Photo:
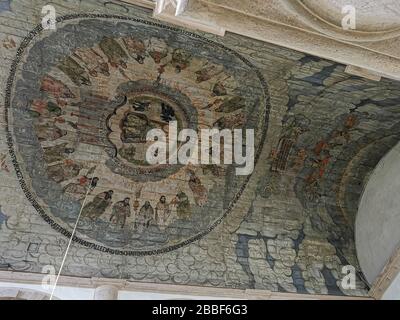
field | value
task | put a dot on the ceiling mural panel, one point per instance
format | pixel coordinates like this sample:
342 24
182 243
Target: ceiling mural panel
80 125
78 102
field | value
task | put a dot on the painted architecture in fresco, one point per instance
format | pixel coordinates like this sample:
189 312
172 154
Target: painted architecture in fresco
77 110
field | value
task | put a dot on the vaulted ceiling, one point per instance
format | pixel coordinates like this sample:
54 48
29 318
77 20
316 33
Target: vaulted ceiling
77 102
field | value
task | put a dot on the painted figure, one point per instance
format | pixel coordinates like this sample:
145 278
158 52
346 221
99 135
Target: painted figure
180 59
56 88
120 211
219 89
294 127
233 121
38 108
208 72
342 136
199 191
114 52
135 128
136 48
56 153
162 211
231 104
136 203
181 201
93 61
49 132
158 49
75 72
83 186
98 206
301 156
63 171
145 216
44 109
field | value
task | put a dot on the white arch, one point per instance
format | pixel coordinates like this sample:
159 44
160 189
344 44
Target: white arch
377 229
9 293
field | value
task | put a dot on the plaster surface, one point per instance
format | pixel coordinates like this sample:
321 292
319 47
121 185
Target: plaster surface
378 217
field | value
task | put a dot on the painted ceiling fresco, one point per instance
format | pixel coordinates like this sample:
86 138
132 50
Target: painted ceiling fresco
80 126
78 102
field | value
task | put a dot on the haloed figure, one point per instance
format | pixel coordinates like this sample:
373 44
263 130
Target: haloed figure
120 211
162 211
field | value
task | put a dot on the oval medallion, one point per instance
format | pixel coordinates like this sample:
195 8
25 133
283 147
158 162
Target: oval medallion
79 104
